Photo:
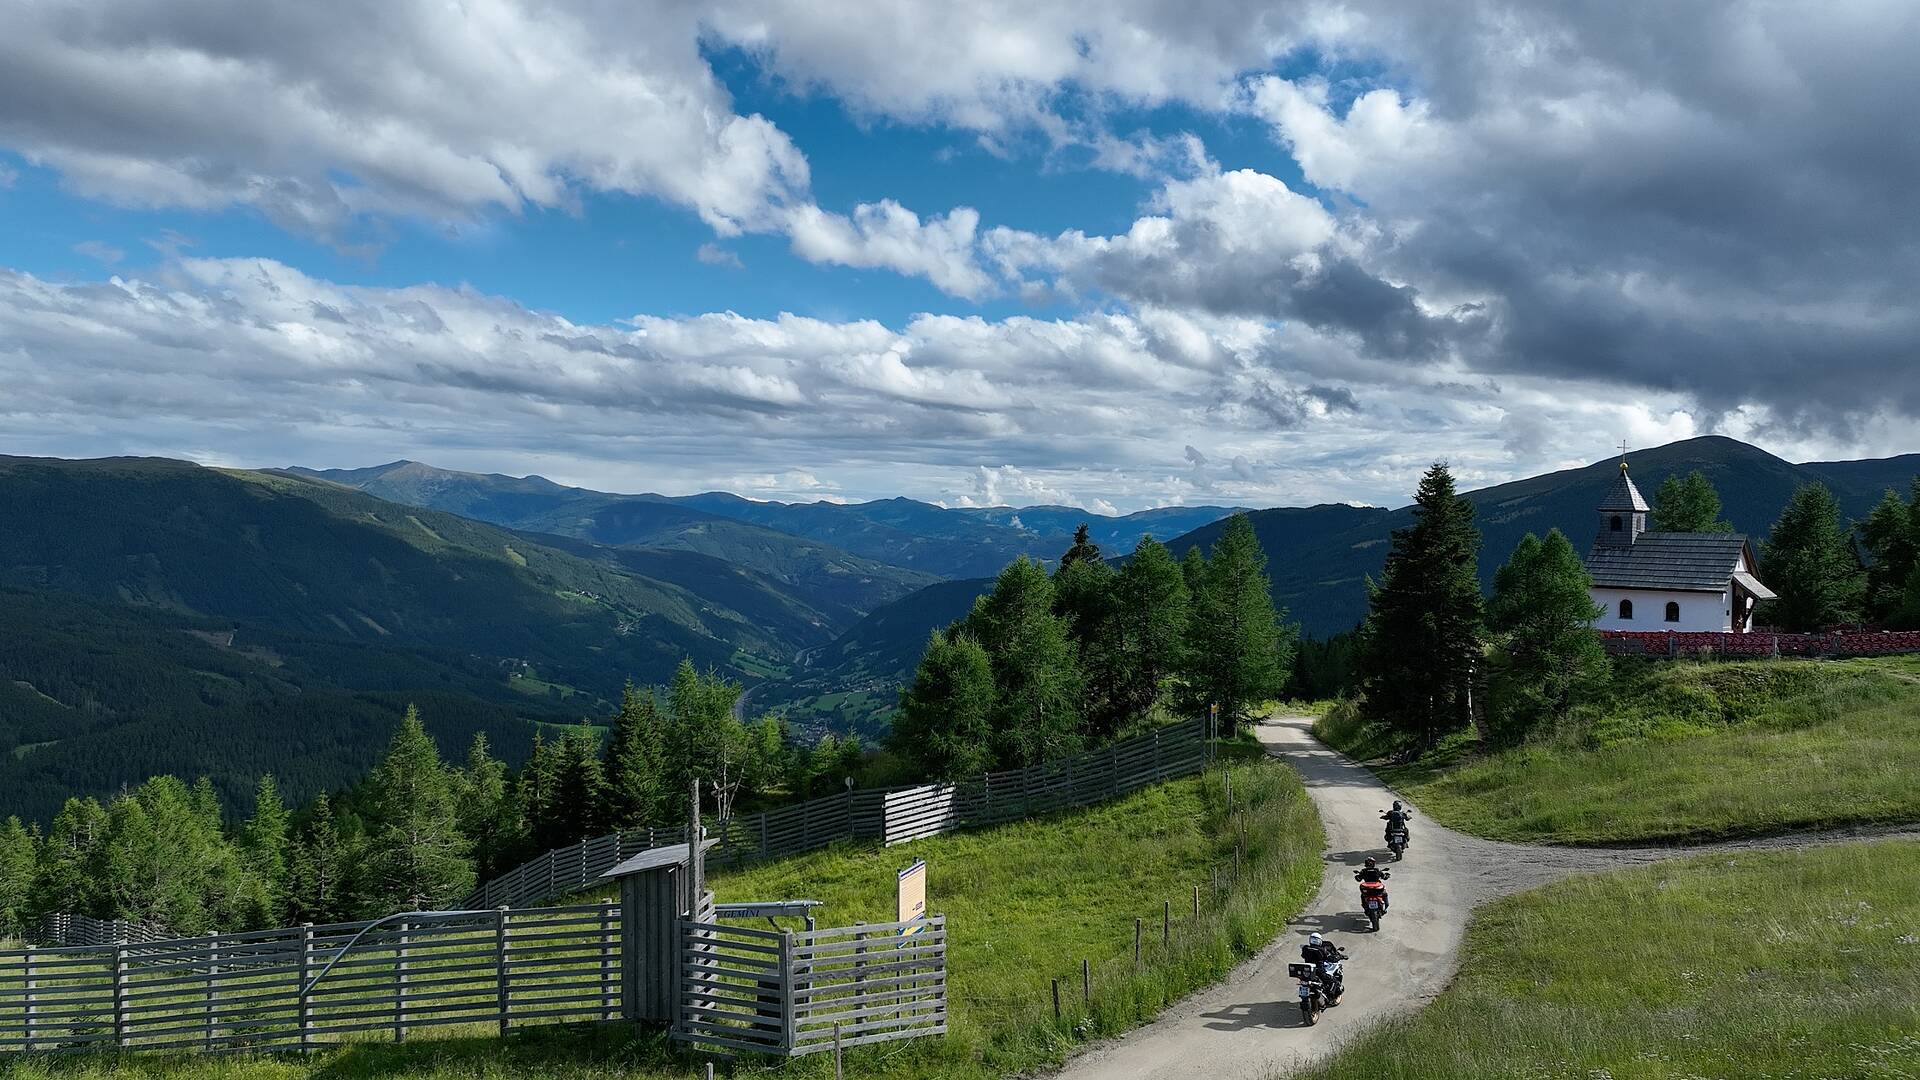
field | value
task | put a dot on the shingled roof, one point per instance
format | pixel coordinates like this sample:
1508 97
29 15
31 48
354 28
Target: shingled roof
1688 561
1623 496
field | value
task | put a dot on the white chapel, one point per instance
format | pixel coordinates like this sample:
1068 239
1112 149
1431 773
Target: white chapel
1651 581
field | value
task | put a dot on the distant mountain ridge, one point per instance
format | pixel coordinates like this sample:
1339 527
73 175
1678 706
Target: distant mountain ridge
904 533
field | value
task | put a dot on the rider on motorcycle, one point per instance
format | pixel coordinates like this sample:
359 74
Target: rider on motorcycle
1320 952
1397 819
1371 876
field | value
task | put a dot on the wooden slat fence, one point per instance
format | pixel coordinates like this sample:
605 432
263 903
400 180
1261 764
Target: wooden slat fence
785 993
890 815
266 989
65 928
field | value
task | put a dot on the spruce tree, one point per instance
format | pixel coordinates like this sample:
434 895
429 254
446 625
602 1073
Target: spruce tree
579 790
264 842
1689 505
1546 655
1238 650
635 791
1151 604
945 723
1424 622
535 786
488 810
1083 595
1809 565
1890 533
416 858
321 869
1036 679
65 880
1083 549
18 854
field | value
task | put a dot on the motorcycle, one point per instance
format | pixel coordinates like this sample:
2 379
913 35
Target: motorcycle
1320 988
1373 899
1396 836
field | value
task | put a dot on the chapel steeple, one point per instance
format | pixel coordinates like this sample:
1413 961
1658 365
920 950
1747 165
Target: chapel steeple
1623 513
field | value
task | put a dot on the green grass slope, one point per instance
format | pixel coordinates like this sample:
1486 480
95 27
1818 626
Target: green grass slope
1685 751
1025 904
1778 966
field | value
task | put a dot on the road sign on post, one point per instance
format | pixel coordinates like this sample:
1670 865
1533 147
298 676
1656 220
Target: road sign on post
912 885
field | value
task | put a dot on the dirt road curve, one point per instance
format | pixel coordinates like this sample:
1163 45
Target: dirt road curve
1249 1026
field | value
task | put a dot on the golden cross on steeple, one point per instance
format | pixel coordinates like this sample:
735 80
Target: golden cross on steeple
1623 455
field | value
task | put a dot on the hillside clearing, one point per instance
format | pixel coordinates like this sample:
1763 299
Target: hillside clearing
1793 964
1025 904
1684 752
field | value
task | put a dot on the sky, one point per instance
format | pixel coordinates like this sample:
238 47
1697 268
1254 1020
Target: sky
1112 254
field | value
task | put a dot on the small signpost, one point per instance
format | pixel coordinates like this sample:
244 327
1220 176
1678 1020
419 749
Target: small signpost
912 886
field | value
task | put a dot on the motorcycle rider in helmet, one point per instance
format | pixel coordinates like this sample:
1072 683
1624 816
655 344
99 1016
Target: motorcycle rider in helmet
1397 820
1320 952
1371 874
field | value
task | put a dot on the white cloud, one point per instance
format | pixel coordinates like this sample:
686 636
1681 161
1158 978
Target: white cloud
102 253
715 255
888 235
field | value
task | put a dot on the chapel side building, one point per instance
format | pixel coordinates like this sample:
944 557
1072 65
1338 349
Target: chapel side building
1650 581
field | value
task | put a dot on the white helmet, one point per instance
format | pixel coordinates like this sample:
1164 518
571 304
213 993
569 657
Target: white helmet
1313 939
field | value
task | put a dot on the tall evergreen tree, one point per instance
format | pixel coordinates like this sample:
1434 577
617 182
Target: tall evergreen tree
487 810
1424 622
1036 679
1689 505
536 783
1083 595
264 842
65 881
945 724
18 854
636 794
320 869
1890 533
1546 655
1083 549
705 740
1152 604
579 791
1809 565
1238 650
416 858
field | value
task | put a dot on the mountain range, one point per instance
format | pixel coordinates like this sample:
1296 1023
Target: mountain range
164 616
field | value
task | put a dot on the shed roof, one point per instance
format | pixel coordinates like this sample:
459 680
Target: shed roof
653 858
1686 561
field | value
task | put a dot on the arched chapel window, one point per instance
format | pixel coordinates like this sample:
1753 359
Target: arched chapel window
1673 611
1615 523
1626 608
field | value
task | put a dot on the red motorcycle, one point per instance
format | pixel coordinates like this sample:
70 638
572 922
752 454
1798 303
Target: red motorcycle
1373 898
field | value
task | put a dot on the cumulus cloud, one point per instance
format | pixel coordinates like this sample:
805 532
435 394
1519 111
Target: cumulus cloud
715 255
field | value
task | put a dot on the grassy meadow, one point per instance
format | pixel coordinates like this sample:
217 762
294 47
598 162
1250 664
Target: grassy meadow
1789 965
1025 904
1682 751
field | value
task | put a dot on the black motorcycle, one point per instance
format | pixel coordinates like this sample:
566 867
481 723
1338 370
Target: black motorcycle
1320 987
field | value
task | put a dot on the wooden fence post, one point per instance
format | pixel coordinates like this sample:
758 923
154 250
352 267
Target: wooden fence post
1166 922
400 985
120 994
304 1005
1086 982
1196 903
213 978
1056 999
608 943
1137 924
28 1004
786 1000
502 1000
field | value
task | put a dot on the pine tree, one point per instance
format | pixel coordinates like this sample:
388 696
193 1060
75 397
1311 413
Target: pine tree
1083 549
766 753
1238 650
321 869
1036 679
705 740
487 810
1083 595
18 854
1424 622
635 792
579 790
1890 533
264 841
1688 506
1151 604
1808 564
945 726
535 785
64 881
1546 656
416 858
